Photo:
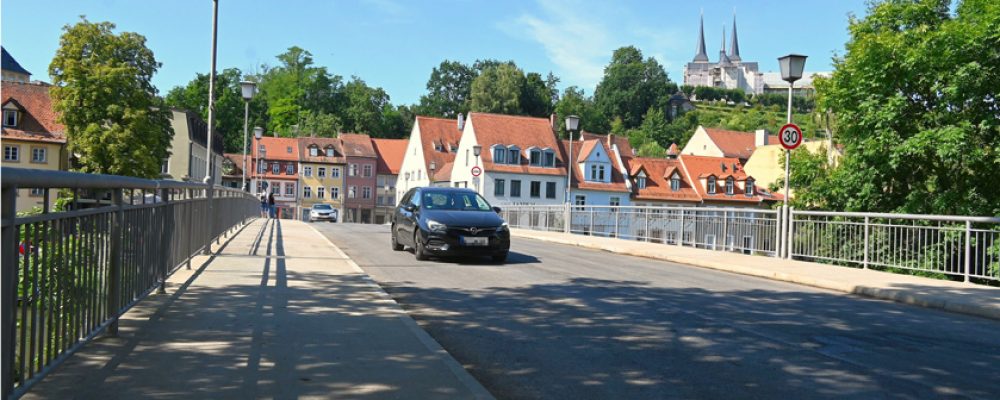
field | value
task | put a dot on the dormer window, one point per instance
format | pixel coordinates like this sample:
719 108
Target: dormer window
597 172
454 148
750 187
534 156
513 155
10 118
675 182
640 180
499 154
711 185
313 151
329 152
549 158
289 149
729 186
262 150
438 146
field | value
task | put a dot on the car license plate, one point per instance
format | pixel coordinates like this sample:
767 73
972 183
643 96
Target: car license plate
475 241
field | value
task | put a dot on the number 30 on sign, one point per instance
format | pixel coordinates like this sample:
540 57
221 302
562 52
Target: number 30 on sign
790 136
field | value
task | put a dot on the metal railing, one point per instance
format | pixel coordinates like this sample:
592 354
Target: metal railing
69 275
968 247
930 245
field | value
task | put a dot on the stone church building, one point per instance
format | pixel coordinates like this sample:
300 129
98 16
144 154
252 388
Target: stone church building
729 72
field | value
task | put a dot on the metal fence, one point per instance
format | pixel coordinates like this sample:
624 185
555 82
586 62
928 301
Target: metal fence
69 275
931 245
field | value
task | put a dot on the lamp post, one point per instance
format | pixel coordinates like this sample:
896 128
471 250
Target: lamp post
248 88
258 133
476 151
211 127
792 66
572 124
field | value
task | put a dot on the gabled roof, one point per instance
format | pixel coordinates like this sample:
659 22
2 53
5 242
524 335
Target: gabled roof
8 63
585 147
736 143
624 147
443 174
523 132
390 155
441 131
278 148
38 121
357 145
322 143
658 182
617 183
722 168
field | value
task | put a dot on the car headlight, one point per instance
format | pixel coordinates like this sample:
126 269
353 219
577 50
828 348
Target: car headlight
435 226
503 227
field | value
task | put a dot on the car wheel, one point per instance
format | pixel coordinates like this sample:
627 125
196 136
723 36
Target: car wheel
418 248
500 258
395 243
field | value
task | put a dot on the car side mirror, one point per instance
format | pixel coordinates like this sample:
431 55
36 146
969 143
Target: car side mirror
497 209
409 208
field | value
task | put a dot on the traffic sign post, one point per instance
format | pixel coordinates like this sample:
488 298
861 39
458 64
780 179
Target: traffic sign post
790 136
476 171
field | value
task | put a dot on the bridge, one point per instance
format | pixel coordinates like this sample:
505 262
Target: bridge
157 289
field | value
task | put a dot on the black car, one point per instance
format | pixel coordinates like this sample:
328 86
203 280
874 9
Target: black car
449 221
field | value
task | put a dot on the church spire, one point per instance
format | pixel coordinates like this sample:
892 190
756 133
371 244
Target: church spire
723 59
701 56
734 43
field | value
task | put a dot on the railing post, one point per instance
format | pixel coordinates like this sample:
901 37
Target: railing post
591 221
864 263
168 233
777 233
617 221
8 252
791 232
680 229
190 205
725 230
968 249
567 215
115 273
645 213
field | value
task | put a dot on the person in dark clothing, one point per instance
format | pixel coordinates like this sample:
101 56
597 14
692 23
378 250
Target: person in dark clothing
270 204
263 205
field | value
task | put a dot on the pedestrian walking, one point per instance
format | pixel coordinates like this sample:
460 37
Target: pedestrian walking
270 204
263 205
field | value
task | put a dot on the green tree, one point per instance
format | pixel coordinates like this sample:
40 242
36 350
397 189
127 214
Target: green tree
320 125
575 102
537 95
365 105
103 92
631 85
916 103
229 106
448 90
498 89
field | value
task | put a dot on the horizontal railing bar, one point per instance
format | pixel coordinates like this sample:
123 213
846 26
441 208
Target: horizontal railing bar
931 217
40 179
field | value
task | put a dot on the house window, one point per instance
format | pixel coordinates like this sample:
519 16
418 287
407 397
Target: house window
261 150
580 200
729 186
593 172
498 185
329 152
165 166
288 149
352 192
515 188
498 155
750 187
275 168
535 157
313 151
334 192
262 167
536 189
38 154
641 182
335 172
9 117
675 183
711 185
615 201
321 172
11 153
352 170
513 155
550 158
307 171
366 192
290 189
550 190
307 192
368 171
290 169
320 192
600 173
36 192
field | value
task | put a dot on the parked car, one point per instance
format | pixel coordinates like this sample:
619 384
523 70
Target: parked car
449 221
323 212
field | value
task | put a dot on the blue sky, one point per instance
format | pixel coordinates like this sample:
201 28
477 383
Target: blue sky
395 43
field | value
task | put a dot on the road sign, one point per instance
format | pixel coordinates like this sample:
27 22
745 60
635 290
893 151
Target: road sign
790 136
476 171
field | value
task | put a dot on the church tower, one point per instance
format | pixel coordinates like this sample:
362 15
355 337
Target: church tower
734 43
723 58
701 56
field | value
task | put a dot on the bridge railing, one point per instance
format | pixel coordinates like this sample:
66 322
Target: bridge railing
955 247
68 275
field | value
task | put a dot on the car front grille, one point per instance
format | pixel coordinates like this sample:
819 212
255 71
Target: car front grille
472 231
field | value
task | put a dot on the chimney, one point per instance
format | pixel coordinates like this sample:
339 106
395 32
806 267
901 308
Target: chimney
461 121
274 132
760 137
552 123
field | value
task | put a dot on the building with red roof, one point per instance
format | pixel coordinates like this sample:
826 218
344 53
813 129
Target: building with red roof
322 167
713 142
430 153
275 161
32 135
390 160
360 181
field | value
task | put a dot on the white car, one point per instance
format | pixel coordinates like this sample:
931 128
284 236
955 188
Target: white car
322 212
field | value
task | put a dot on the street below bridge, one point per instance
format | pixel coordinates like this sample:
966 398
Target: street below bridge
563 322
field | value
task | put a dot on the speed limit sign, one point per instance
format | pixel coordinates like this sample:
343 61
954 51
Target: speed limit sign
790 136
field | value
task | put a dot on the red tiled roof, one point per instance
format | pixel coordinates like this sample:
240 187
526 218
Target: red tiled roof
624 147
436 132
617 183
357 145
322 143
278 148
237 160
444 173
721 167
658 180
523 132
390 155
673 150
735 143
38 120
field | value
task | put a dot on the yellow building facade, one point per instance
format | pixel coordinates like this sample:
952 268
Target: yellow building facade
322 167
765 165
32 137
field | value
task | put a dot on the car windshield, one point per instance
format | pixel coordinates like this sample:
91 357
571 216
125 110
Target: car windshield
324 207
462 201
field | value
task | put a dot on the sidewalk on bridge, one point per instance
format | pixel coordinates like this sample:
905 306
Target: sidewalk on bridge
276 312
951 296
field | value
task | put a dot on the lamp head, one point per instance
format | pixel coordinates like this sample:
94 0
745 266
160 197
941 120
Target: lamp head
258 132
248 88
792 66
572 123
477 150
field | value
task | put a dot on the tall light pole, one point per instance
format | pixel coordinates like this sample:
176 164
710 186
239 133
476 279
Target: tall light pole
476 151
211 124
249 89
792 66
572 124
258 133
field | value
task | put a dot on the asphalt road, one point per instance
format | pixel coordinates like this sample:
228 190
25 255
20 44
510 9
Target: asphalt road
561 322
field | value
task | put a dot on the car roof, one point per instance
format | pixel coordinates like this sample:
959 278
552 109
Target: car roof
447 190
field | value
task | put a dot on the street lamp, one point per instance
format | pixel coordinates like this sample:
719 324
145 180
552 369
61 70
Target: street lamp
476 151
792 66
210 189
248 88
572 124
258 133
